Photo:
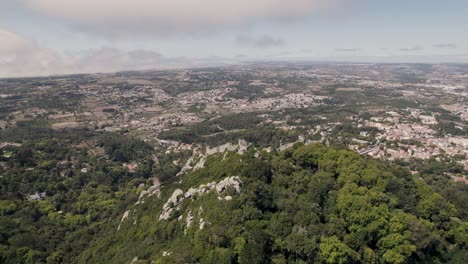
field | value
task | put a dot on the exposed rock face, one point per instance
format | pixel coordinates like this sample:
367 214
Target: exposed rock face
190 164
241 148
234 182
221 149
172 202
189 219
200 164
186 167
286 146
178 195
153 190
38 196
191 161
202 223
125 216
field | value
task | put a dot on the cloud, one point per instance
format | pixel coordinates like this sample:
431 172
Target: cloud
20 57
348 50
264 41
445 46
241 56
12 44
110 60
147 17
44 62
414 48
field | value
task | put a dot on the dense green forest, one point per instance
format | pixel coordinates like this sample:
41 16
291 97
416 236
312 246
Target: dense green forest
83 190
306 204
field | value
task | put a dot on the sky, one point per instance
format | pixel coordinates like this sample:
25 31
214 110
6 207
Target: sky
48 37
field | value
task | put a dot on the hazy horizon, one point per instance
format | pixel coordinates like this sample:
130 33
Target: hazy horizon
51 37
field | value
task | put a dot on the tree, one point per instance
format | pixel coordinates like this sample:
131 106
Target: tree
333 251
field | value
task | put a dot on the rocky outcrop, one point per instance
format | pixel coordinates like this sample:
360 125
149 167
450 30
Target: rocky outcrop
125 216
241 148
189 219
202 224
153 190
187 166
200 164
172 202
178 195
190 164
221 149
234 182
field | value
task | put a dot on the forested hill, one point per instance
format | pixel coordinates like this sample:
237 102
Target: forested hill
309 204
306 204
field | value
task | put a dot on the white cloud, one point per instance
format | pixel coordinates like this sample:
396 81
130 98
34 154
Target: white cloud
264 41
11 44
20 56
414 48
347 50
445 46
145 17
